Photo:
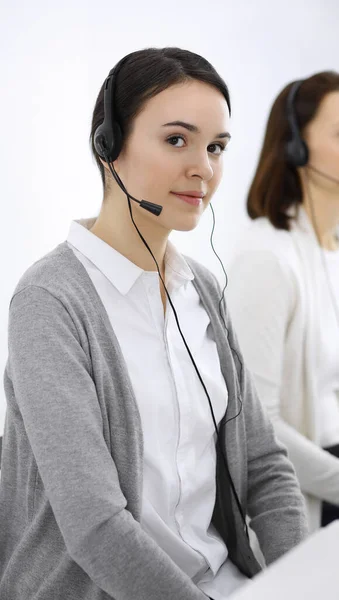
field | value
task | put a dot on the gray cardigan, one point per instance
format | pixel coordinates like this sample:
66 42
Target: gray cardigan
71 479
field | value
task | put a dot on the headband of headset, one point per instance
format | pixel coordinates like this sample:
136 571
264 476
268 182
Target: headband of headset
296 148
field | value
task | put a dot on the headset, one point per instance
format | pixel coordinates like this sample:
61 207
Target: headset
108 137
296 148
108 140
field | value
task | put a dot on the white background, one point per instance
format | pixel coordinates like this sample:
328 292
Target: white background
54 58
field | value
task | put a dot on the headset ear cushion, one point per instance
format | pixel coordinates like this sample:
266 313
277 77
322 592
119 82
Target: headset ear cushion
297 153
116 141
108 143
100 141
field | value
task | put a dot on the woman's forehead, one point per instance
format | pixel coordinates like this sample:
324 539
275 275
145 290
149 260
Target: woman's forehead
194 102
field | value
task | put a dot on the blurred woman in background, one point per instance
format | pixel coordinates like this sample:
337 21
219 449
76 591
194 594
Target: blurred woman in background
283 289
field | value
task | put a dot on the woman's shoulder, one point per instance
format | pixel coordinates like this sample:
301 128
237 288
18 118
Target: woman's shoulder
261 236
51 272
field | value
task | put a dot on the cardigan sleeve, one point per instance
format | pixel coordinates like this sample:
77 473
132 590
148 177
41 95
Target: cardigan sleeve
57 400
261 297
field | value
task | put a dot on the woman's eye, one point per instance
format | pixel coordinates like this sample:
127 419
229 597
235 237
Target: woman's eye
174 139
178 142
216 148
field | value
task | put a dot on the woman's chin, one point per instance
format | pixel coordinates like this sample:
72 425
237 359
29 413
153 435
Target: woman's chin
187 225
184 222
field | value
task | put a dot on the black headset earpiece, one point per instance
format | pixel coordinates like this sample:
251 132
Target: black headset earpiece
296 148
108 136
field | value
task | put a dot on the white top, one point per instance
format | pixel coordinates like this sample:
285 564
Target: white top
179 436
328 354
289 337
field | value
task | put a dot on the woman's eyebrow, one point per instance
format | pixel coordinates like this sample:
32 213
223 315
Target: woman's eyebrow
194 128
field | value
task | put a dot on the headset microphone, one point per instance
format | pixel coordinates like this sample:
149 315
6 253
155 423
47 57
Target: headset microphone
155 209
108 137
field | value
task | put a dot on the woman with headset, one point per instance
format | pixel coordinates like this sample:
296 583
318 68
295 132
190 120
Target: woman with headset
135 444
283 290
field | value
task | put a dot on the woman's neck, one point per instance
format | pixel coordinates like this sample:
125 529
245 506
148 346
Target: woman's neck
322 206
325 227
115 227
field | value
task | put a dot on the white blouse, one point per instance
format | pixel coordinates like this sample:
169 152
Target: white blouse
179 437
328 353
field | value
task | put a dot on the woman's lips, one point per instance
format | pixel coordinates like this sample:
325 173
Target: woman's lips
189 199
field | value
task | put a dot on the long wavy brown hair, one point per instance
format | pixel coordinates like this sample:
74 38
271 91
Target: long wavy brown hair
276 184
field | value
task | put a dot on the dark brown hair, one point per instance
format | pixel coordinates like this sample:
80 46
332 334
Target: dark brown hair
145 74
276 184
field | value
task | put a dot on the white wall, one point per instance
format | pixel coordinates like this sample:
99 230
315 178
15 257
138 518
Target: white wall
55 57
